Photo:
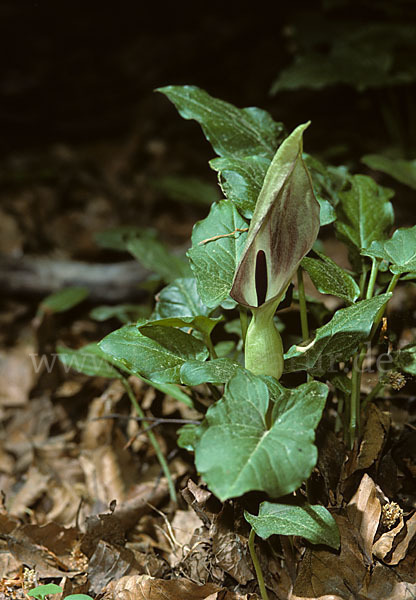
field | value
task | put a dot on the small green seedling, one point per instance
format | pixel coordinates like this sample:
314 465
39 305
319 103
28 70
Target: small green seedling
42 591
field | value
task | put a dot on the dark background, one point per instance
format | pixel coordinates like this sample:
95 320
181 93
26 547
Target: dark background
83 134
79 71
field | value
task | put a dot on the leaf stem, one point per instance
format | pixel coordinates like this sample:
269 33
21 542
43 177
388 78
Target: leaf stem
210 346
373 276
153 440
302 305
376 389
357 364
393 282
257 566
243 322
363 278
359 356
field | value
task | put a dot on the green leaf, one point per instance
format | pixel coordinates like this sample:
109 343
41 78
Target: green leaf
158 358
337 340
90 360
241 178
364 213
332 51
341 383
64 299
126 313
327 181
189 435
405 359
219 370
147 249
157 257
238 452
224 348
402 170
43 590
399 250
231 131
203 324
214 261
78 597
312 522
180 299
116 238
187 190
329 278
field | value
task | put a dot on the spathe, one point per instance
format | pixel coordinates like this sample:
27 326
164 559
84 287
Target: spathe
284 227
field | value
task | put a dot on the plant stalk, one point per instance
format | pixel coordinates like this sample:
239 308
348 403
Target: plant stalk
153 441
302 305
376 389
373 276
243 322
358 359
380 313
257 567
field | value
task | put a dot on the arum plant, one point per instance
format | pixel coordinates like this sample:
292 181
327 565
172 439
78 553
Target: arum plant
284 226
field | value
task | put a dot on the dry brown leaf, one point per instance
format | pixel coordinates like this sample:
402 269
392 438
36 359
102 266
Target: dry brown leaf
392 546
17 375
386 584
36 484
230 548
103 475
330 575
201 501
384 544
143 587
364 511
180 532
374 437
37 557
98 432
109 563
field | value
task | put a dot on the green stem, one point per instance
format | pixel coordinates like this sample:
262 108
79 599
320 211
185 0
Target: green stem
360 355
363 278
257 566
153 441
376 389
355 393
379 316
210 346
243 322
373 276
302 305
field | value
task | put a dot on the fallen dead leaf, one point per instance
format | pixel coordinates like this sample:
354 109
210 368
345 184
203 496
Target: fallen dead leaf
143 587
109 563
17 375
392 546
364 511
330 575
374 437
182 529
230 548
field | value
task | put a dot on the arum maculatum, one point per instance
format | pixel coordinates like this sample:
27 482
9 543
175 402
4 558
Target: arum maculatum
283 229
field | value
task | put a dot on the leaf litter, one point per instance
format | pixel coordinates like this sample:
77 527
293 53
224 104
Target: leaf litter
84 503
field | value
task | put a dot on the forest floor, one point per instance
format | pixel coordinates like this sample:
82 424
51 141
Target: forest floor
83 500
